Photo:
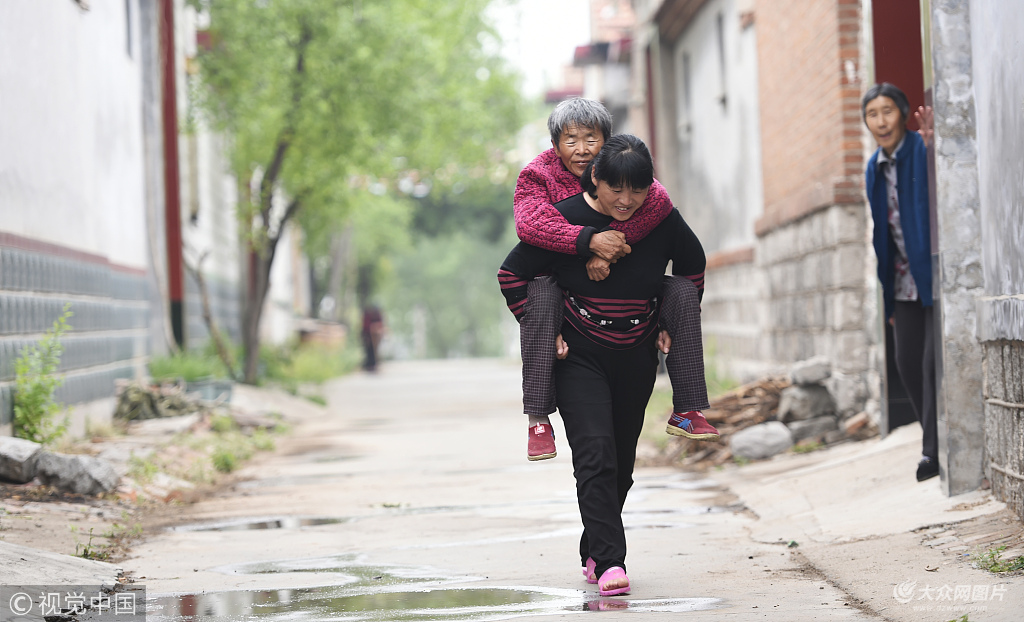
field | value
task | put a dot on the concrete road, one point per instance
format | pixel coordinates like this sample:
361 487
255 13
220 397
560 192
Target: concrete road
410 498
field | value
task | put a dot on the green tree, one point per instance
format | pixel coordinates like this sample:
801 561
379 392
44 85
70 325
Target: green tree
324 98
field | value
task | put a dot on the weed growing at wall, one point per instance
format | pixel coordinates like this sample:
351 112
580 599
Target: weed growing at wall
992 561
36 381
88 550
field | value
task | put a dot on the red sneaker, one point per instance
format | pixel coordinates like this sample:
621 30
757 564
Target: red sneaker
691 425
541 444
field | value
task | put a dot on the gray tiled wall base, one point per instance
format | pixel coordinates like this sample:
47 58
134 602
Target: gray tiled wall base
225 306
77 388
109 327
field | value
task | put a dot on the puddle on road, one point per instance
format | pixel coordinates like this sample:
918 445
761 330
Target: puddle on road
656 518
675 481
274 522
412 605
353 571
380 592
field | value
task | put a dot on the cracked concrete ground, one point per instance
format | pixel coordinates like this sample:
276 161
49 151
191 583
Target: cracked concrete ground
421 468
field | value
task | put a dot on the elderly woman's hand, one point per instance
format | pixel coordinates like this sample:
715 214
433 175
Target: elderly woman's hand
561 348
609 245
664 342
925 118
598 269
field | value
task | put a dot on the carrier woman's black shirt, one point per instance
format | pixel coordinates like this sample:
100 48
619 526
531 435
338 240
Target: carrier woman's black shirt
622 310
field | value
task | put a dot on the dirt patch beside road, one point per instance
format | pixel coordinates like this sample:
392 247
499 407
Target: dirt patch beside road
43 518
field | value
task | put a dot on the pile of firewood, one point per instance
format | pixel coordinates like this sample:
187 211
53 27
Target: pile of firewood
137 401
731 412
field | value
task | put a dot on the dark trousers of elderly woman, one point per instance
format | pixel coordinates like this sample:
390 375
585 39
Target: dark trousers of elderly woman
602 395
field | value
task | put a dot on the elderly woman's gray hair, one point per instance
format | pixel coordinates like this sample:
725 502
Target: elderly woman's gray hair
891 91
580 112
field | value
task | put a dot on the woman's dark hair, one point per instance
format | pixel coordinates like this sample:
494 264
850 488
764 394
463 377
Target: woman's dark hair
623 161
885 90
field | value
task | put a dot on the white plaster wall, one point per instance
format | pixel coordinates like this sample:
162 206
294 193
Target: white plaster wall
215 230
71 162
719 161
998 55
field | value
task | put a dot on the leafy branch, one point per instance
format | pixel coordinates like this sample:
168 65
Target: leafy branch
36 381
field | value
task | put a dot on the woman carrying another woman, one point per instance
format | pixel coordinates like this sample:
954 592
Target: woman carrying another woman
606 379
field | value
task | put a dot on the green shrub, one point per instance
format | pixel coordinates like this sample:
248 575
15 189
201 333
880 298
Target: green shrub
316 399
36 380
224 460
262 440
286 365
222 424
188 366
142 470
806 447
307 363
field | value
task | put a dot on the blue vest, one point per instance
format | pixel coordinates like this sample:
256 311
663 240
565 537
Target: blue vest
912 194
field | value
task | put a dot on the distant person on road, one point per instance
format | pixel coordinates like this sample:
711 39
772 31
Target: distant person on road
579 128
372 332
897 187
607 337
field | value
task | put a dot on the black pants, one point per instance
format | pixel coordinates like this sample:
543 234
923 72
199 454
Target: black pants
915 360
680 316
602 395
369 353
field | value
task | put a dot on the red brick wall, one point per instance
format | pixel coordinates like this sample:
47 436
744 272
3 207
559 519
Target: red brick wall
810 111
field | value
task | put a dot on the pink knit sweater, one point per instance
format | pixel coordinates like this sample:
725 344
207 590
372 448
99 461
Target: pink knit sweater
545 181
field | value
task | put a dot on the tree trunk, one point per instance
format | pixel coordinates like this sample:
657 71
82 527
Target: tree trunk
259 286
260 261
261 256
253 313
211 324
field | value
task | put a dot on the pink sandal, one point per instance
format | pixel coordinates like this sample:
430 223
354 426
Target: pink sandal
615 572
589 569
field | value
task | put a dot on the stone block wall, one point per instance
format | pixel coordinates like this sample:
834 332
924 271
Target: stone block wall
1004 421
819 295
732 314
109 337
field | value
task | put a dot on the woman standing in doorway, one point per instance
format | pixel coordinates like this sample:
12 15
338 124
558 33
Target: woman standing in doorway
897 189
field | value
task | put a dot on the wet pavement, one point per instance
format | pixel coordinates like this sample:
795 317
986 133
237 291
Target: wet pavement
483 603
410 498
